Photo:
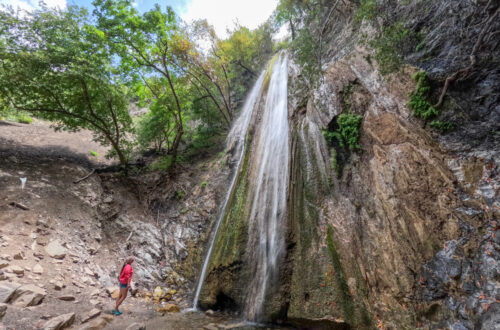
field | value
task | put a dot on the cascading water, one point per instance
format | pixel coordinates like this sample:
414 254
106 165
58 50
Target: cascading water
236 140
266 223
268 176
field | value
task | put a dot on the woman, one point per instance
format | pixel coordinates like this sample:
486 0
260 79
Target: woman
125 279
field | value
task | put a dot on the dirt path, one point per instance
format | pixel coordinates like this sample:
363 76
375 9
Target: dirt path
38 140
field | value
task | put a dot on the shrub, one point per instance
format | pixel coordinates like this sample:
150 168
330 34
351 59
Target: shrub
203 184
162 163
93 153
419 98
24 119
347 133
388 47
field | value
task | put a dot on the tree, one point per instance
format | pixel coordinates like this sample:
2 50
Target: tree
55 65
146 45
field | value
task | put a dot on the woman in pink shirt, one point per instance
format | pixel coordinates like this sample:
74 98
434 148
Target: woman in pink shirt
125 279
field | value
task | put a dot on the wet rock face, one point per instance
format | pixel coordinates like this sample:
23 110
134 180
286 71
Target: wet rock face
405 223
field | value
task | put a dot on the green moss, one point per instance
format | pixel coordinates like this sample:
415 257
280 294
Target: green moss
334 163
419 102
341 282
388 47
269 70
367 9
442 126
233 234
93 153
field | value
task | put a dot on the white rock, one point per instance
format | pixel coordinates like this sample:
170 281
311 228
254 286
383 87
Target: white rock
37 269
56 250
61 322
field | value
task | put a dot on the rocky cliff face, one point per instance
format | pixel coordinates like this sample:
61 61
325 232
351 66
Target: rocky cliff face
404 232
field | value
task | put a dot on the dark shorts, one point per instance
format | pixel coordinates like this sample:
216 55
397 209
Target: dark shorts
123 286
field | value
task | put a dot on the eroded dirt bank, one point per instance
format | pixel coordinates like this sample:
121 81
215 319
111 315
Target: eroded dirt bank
62 243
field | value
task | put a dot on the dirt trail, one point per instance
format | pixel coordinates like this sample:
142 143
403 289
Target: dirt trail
39 140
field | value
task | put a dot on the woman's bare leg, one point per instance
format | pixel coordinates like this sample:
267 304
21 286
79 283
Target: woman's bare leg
121 298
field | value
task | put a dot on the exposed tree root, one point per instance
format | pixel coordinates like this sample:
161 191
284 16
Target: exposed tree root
463 73
85 177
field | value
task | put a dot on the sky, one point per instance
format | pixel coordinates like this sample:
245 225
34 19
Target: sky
222 14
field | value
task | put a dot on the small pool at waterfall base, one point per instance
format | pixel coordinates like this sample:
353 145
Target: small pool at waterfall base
191 319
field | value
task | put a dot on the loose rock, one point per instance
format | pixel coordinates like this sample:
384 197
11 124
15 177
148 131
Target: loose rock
61 322
90 315
37 269
7 290
3 310
28 295
56 250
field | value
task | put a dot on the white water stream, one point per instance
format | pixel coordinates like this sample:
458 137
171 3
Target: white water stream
270 172
267 225
236 138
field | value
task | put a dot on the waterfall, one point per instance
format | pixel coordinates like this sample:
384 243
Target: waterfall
267 223
269 172
235 141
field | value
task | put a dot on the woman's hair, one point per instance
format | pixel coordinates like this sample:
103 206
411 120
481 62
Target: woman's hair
128 260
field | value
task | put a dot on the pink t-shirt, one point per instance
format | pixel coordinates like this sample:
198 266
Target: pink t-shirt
126 274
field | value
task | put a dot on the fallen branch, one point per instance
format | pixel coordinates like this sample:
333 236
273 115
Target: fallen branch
463 73
19 205
85 177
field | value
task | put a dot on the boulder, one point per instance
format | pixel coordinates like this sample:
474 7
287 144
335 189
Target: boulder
90 315
37 269
56 250
7 291
169 308
113 292
61 322
27 295
3 310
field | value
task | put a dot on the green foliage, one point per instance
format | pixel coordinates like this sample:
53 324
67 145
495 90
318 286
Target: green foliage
155 128
57 66
347 133
442 126
203 184
180 194
366 10
24 119
419 103
93 153
307 20
162 164
388 47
